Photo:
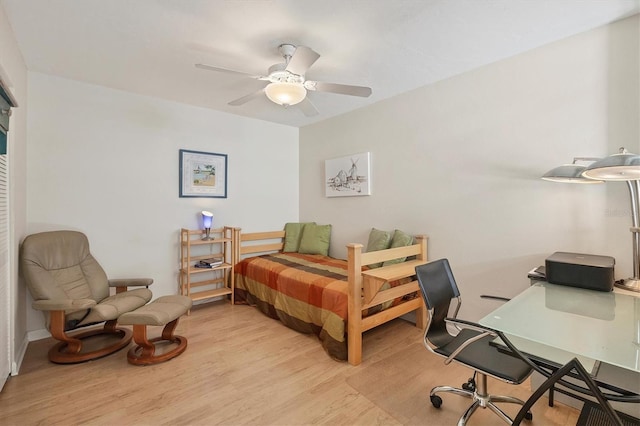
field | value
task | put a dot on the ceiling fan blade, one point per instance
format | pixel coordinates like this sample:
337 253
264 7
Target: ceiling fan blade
247 98
342 89
301 60
307 108
225 70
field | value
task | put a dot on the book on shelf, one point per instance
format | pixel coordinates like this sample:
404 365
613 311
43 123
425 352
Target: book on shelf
208 263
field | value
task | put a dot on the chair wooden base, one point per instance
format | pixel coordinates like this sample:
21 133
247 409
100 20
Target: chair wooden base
144 352
70 348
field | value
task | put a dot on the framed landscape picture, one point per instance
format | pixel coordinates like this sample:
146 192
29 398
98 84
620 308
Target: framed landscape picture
203 174
348 176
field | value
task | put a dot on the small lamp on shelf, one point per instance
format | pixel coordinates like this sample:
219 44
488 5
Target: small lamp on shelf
207 220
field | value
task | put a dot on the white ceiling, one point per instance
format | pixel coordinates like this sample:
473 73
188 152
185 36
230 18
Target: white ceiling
150 46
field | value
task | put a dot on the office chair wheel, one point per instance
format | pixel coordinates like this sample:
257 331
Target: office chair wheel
436 401
470 385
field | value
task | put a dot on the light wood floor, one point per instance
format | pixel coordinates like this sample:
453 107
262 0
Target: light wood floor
243 368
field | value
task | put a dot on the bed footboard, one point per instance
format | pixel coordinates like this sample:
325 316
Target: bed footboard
365 290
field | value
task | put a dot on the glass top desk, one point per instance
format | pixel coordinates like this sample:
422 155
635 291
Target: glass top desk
559 322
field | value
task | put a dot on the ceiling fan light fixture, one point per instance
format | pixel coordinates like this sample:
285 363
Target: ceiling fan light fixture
285 93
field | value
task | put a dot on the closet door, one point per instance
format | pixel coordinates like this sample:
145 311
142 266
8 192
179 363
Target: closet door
6 312
5 307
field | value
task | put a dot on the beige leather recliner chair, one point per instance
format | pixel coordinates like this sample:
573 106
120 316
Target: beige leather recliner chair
72 290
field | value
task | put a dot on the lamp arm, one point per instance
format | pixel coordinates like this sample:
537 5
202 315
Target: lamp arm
590 159
634 191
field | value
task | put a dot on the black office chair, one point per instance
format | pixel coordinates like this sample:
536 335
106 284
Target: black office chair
470 347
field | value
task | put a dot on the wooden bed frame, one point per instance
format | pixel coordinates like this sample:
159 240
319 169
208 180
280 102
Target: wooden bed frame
363 286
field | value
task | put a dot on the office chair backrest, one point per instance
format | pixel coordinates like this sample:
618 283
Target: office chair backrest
438 288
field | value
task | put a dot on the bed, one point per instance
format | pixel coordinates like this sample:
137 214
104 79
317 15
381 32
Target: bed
338 300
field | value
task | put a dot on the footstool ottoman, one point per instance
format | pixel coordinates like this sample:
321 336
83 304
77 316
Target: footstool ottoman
165 310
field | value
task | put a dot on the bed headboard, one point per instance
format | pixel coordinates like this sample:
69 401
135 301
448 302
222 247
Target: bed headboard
257 242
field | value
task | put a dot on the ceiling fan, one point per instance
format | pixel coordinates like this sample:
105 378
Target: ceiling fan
285 83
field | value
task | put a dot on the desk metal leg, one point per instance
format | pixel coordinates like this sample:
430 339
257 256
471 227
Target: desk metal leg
558 375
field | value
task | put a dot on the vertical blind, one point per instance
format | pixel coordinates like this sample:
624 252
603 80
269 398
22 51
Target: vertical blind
5 113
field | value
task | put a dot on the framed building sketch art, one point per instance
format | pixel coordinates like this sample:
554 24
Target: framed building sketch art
348 176
203 174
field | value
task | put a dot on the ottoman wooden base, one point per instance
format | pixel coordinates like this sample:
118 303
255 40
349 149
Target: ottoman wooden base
165 310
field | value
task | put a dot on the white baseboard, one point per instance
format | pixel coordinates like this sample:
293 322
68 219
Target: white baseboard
17 363
32 336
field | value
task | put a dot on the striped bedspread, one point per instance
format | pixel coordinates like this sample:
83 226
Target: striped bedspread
308 293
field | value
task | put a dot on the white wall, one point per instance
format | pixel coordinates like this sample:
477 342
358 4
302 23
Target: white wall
460 161
105 162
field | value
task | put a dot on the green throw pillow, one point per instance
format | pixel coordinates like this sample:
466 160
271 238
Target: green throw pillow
315 239
378 240
400 239
292 236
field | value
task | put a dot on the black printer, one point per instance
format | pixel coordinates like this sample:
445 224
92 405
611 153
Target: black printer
588 271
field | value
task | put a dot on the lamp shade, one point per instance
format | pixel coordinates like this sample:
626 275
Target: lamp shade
285 93
622 166
207 219
569 173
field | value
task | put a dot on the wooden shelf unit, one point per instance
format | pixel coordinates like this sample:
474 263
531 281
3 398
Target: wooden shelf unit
207 283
